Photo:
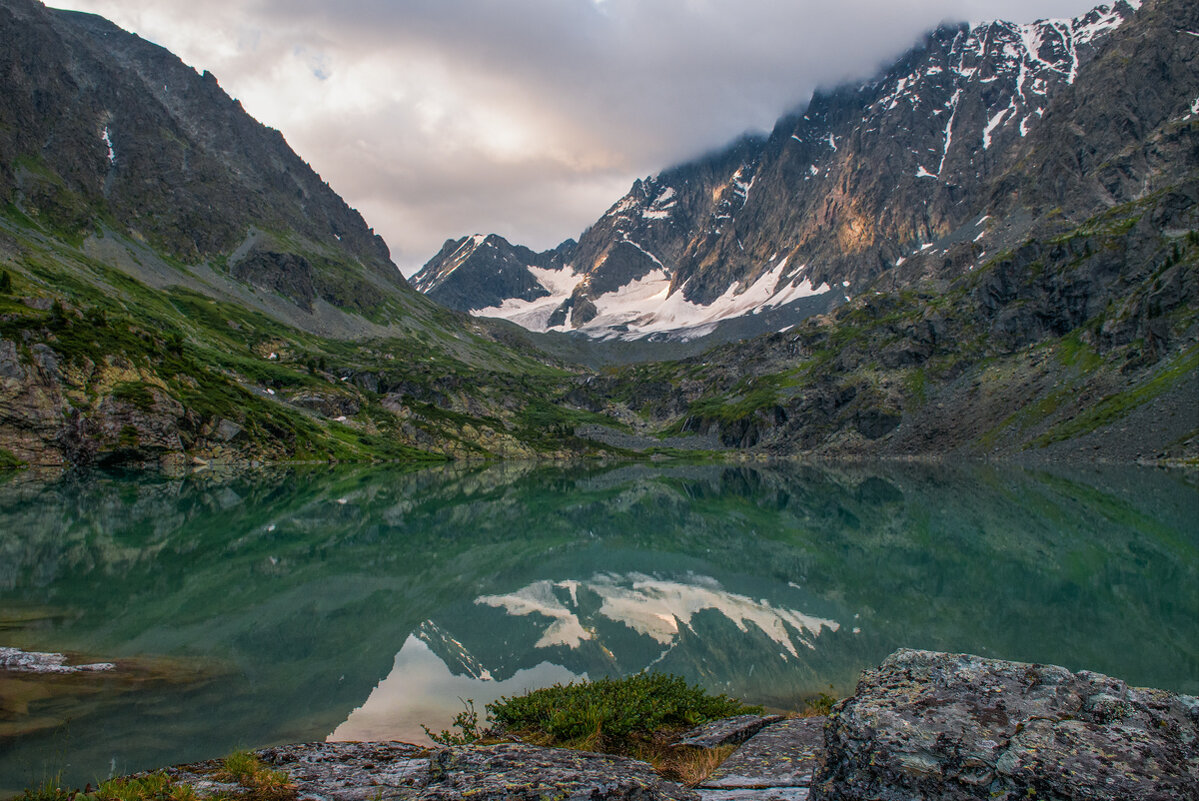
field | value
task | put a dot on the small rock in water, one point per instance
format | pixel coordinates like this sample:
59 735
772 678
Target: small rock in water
18 661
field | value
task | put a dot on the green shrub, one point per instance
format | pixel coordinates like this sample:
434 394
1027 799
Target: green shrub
151 787
467 724
135 392
9 460
611 714
819 705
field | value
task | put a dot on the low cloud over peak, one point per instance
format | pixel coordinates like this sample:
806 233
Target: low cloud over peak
528 118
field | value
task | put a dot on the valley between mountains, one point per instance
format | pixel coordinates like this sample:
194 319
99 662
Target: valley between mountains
989 249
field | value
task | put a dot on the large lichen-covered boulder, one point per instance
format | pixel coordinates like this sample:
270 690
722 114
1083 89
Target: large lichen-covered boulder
927 725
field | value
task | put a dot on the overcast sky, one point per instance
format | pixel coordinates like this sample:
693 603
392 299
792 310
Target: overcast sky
528 118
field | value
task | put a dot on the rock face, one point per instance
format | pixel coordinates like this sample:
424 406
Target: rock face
858 179
952 726
18 661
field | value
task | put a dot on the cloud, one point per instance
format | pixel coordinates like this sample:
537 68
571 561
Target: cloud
438 118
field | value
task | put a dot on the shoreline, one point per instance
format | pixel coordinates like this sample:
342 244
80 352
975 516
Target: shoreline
922 724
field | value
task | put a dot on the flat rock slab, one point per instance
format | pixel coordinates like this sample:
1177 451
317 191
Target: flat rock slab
515 772
942 726
783 755
730 731
764 794
395 771
328 771
351 771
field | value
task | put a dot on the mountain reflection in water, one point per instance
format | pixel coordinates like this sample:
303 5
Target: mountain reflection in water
297 604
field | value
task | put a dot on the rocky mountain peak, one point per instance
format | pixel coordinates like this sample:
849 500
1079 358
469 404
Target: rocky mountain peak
860 179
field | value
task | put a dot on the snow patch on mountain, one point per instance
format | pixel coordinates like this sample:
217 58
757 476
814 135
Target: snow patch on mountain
647 306
535 314
112 154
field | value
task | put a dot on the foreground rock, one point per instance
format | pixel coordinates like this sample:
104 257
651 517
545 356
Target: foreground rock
775 765
528 772
950 726
403 772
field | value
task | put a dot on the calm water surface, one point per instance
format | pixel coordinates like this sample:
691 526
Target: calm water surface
355 604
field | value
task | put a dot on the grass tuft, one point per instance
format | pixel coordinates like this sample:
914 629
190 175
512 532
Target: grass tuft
262 783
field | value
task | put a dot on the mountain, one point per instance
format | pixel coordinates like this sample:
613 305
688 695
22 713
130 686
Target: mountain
862 178
177 285
479 271
1010 219
101 120
1058 319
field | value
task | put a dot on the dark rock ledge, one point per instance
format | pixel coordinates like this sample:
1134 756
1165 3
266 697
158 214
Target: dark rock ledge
923 725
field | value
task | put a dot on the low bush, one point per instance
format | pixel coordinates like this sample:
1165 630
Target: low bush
608 714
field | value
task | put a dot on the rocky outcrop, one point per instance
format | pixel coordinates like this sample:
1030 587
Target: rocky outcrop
286 273
523 771
374 771
952 726
923 725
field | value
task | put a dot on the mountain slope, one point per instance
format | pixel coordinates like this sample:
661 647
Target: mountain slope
863 177
1061 320
102 121
177 285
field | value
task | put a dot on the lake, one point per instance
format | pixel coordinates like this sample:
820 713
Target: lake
310 603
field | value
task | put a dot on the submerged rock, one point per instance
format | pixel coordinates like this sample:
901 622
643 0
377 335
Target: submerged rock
18 661
952 726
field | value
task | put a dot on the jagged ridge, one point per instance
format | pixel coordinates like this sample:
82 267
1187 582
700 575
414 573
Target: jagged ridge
863 177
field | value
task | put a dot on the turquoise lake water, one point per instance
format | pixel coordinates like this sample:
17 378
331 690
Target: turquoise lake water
304 604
